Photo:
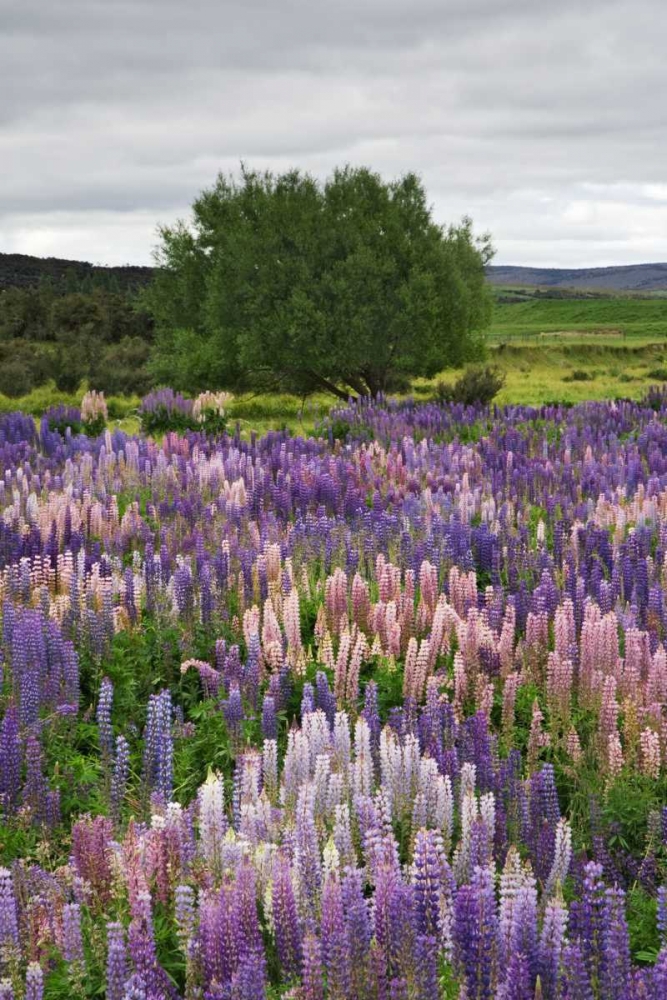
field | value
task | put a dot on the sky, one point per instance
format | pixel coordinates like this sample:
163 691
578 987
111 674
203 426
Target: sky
546 122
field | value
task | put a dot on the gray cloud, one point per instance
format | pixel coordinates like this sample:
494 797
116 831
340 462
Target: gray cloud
545 122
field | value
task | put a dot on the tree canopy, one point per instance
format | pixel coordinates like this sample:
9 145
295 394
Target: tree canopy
347 286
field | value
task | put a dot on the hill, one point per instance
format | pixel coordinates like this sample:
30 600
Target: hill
19 270
628 278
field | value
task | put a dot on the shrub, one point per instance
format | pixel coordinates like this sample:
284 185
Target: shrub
579 375
23 367
659 374
94 413
59 418
478 384
121 368
166 410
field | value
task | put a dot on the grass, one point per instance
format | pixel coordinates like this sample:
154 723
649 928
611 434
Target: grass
613 318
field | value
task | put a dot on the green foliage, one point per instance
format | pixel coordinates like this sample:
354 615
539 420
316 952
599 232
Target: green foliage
478 384
121 368
72 336
579 375
23 366
345 287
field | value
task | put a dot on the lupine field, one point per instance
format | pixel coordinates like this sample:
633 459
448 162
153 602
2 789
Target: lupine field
378 714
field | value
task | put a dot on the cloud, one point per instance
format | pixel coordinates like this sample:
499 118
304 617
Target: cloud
545 122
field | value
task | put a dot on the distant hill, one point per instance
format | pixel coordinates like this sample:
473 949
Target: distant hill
18 270
628 278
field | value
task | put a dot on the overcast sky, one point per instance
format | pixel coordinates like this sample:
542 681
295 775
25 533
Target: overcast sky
544 121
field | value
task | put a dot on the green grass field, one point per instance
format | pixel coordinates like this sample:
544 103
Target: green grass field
612 318
550 350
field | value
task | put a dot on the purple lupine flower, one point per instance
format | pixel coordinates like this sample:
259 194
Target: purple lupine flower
312 975
34 982
357 920
104 727
307 699
34 786
10 760
184 914
426 966
575 974
135 988
233 712
72 938
324 697
249 981
159 745
615 971
117 970
552 941
427 879
6 990
269 718
335 942
661 896
285 917
659 976
245 903
121 771
9 934
308 852
475 933
518 980
588 919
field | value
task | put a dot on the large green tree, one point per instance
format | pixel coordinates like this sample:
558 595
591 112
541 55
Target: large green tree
347 286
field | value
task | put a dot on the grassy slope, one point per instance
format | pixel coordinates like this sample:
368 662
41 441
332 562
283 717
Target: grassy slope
632 317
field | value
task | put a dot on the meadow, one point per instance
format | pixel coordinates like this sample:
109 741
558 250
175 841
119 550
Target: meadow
377 712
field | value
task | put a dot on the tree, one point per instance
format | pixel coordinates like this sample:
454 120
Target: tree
349 286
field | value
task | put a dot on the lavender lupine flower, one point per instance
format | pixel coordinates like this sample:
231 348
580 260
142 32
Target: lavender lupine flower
10 760
233 712
335 942
9 934
105 729
117 970
358 923
475 933
72 938
285 918
6 990
426 963
269 718
427 868
577 983
184 914
34 982
588 916
35 785
158 745
249 981
121 772
135 988
312 976
550 951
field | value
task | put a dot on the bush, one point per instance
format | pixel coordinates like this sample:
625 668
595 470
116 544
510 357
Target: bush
121 368
15 379
478 384
59 418
659 374
23 367
579 375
